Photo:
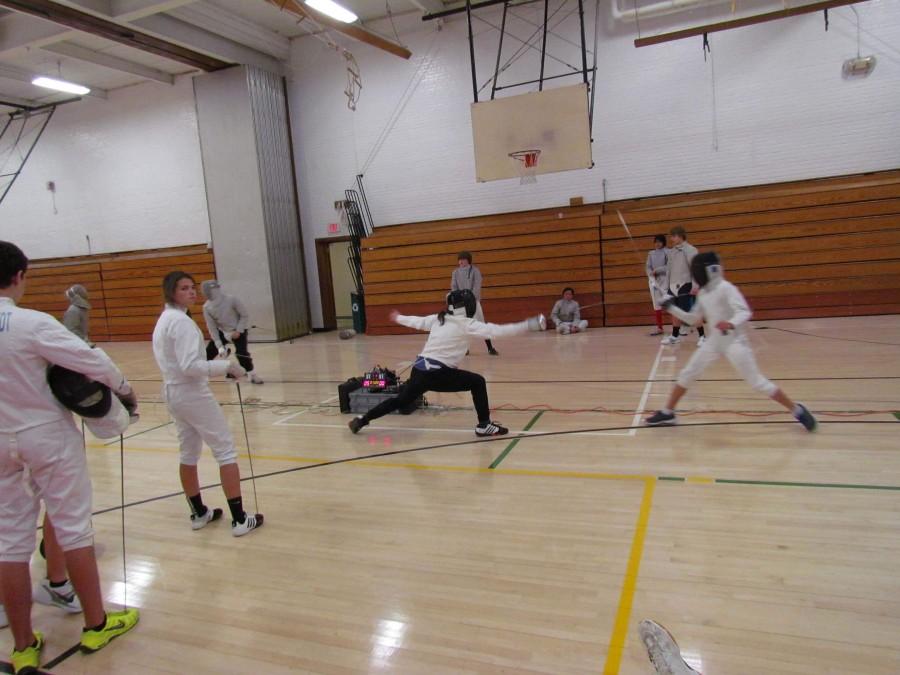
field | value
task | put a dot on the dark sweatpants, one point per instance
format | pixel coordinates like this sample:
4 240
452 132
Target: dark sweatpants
240 350
442 379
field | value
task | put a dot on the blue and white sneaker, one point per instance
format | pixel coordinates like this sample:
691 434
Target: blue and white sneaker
62 596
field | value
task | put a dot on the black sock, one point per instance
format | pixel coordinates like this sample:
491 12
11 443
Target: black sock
58 584
675 331
489 345
236 506
100 626
700 331
196 503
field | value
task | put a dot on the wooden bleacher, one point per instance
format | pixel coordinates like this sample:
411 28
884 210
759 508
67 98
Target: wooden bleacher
825 247
124 288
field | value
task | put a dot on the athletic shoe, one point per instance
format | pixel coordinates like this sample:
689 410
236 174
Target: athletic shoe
4 622
211 515
658 331
357 423
254 378
493 352
671 340
701 340
116 624
250 523
29 659
663 650
806 418
491 429
63 597
660 419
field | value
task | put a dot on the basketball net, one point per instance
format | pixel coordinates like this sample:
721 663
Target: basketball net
526 163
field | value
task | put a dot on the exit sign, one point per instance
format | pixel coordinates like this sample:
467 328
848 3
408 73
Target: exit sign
333 228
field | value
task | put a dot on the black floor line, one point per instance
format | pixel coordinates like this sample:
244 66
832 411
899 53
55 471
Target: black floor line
502 439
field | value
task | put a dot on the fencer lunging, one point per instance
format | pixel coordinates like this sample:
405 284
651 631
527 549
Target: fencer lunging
178 349
723 307
227 320
436 367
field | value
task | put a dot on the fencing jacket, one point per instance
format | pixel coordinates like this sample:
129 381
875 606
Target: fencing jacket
678 266
29 342
719 300
467 279
226 314
179 350
449 343
567 311
76 320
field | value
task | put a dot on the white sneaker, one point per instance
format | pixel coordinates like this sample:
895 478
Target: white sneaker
254 378
663 650
63 597
671 340
701 340
4 622
250 523
211 515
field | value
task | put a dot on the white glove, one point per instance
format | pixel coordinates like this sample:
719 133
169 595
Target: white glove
223 352
538 322
235 370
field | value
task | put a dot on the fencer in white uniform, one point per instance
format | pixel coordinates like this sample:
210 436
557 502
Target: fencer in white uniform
179 349
42 457
723 308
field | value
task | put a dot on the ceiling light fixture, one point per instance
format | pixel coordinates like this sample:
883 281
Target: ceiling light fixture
332 9
60 85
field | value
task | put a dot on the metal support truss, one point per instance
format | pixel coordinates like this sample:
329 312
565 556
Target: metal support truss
18 137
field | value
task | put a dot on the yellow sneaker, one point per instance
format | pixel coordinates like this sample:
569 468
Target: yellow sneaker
29 659
116 624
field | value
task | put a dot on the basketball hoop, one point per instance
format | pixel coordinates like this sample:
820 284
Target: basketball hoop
527 165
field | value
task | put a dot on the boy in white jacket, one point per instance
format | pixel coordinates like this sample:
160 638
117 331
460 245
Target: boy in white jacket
436 367
722 306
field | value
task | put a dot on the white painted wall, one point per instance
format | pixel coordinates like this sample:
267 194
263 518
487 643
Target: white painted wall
782 113
127 173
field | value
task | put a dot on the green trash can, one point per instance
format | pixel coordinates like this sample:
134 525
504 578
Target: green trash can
358 307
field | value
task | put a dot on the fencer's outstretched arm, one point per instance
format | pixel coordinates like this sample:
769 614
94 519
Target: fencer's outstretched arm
422 323
189 359
243 316
488 331
212 327
58 345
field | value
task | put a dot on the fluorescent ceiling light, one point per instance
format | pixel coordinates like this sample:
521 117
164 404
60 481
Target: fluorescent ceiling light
60 85
332 9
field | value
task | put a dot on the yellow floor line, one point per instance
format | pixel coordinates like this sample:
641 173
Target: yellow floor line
422 467
623 615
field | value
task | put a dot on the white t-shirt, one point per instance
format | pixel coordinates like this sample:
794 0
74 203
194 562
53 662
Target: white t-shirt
448 343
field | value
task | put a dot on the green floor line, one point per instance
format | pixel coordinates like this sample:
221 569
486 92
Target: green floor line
679 479
512 444
778 483
897 415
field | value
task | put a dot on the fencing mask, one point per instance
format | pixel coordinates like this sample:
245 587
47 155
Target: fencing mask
78 296
705 267
102 411
463 300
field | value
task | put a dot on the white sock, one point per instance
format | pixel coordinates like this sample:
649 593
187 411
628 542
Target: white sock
667 411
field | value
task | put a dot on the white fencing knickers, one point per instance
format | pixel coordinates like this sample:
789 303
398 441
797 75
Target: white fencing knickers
738 352
198 417
44 462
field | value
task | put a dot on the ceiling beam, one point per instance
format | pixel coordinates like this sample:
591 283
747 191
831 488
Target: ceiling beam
237 29
15 102
350 30
88 23
740 23
22 75
175 31
108 61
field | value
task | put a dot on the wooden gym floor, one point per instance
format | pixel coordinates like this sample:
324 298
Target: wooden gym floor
415 548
